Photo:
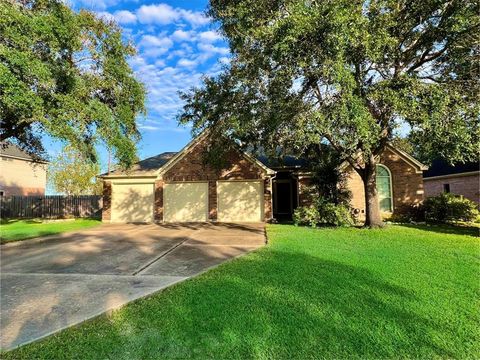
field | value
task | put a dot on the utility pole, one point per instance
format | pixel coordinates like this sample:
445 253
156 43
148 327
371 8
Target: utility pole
109 160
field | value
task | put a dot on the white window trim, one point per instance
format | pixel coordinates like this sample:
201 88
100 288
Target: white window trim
391 186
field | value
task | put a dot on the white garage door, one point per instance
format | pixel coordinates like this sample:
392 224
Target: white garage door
240 201
132 202
185 202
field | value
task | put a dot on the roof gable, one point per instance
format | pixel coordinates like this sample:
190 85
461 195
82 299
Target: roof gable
158 165
195 142
146 167
417 165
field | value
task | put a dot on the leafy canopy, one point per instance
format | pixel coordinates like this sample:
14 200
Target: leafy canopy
347 73
65 74
71 174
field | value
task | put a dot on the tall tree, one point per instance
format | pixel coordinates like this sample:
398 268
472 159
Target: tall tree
65 74
346 73
71 173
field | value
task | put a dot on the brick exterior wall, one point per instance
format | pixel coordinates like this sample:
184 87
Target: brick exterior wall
267 198
158 207
407 184
468 186
107 201
192 168
212 200
22 191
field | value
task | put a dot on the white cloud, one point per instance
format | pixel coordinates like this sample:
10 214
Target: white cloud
125 17
181 35
196 18
209 36
154 41
165 14
224 60
186 63
148 127
211 49
155 45
105 15
163 84
161 14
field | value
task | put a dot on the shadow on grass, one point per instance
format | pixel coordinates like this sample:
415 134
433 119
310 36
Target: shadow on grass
26 236
270 304
457 229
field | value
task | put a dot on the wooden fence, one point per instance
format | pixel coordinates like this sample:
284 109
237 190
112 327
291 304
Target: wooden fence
51 206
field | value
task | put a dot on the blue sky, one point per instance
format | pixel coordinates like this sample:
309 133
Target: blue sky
177 45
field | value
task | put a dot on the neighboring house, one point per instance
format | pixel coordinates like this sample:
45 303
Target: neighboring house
461 179
179 187
19 173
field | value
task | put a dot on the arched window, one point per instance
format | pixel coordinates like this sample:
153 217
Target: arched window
384 188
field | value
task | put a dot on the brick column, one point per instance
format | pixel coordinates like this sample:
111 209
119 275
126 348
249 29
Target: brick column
267 196
158 211
107 201
212 200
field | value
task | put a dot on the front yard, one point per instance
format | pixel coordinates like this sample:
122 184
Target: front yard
14 230
398 292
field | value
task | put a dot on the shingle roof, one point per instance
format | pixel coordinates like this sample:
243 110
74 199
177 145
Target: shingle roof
11 150
145 167
441 167
286 161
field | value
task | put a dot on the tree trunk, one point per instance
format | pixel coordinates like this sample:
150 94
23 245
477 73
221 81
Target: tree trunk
372 209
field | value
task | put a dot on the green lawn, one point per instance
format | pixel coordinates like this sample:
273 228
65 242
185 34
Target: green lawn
14 230
399 292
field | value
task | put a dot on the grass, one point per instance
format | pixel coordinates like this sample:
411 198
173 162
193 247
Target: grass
15 230
398 292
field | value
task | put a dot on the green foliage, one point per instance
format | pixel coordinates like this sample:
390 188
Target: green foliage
346 73
71 173
329 181
323 213
449 207
412 214
404 144
65 74
15 230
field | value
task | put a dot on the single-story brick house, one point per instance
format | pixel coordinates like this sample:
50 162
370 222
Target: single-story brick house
179 187
459 179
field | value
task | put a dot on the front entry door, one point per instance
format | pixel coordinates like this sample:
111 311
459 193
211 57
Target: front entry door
284 198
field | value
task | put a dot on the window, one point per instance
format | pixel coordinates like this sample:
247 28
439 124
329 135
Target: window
384 188
446 188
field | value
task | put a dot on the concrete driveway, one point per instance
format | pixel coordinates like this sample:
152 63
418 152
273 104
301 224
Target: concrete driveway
52 283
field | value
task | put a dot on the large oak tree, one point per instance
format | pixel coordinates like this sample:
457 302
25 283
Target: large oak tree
65 74
347 73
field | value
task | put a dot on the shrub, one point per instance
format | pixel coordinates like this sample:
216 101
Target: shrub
449 207
323 213
412 213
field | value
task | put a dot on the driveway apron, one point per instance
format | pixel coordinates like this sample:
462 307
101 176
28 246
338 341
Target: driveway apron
48 284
